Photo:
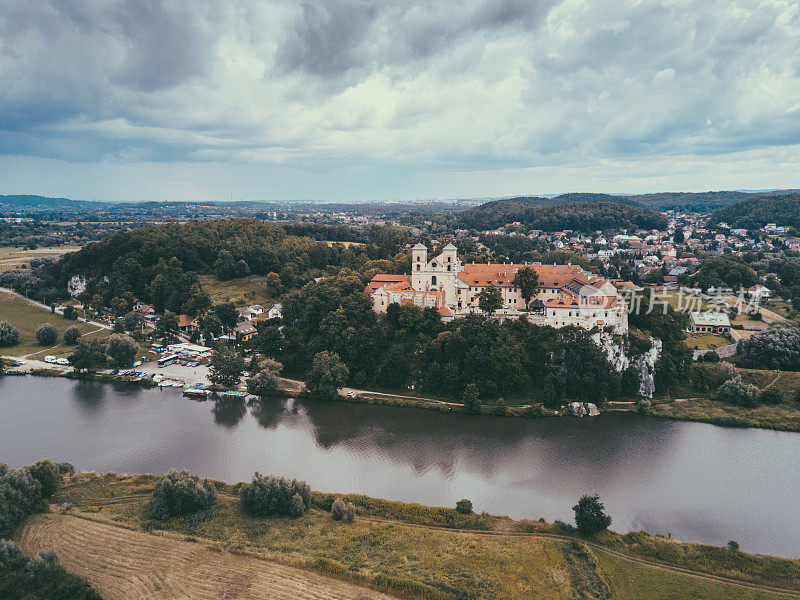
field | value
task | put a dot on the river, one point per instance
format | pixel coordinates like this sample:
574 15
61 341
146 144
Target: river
698 482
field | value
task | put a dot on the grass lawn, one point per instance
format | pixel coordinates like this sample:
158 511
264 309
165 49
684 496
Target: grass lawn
242 291
706 341
436 563
17 258
27 318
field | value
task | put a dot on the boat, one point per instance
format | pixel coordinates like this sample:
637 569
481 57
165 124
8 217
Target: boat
195 393
234 394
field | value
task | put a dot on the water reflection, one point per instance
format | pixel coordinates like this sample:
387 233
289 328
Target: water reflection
229 411
663 476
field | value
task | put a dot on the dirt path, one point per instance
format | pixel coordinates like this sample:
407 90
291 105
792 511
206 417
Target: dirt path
124 564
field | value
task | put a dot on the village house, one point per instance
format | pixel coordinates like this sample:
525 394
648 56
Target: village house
245 331
566 294
709 322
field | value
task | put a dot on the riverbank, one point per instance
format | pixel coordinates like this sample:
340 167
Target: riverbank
412 550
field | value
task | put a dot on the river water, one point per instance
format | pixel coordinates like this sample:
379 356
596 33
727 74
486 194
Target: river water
699 482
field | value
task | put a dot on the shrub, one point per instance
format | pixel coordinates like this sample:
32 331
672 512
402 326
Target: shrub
711 357
736 392
46 334
48 474
775 348
41 576
179 492
733 546
589 516
9 335
644 406
267 495
343 511
72 335
20 492
464 506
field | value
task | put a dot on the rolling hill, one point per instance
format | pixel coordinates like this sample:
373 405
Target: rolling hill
757 212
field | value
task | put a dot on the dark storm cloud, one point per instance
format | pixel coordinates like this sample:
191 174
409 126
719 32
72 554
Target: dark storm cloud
329 39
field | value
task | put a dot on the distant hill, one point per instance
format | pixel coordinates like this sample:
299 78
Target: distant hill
20 202
553 214
698 201
756 212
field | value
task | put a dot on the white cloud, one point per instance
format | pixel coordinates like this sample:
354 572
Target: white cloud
505 87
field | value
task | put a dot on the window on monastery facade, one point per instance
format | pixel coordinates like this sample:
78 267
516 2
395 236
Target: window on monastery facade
448 267
433 279
417 267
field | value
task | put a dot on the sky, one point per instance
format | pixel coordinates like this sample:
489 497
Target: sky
360 100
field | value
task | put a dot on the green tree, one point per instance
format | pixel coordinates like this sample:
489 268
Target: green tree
267 495
225 267
122 349
327 374
9 335
89 355
589 516
490 299
527 280
167 325
72 335
471 398
265 380
226 366
46 334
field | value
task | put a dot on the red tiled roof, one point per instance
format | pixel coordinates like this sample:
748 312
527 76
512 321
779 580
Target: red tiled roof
186 321
382 279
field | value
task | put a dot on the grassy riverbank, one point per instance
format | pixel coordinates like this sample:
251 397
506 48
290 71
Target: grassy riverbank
427 552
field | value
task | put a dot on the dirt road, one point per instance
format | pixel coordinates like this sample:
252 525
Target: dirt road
124 564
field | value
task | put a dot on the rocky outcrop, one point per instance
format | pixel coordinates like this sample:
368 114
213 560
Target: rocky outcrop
619 355
76 285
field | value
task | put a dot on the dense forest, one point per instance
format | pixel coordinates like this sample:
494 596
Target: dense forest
577 216
412 348
757 212
160 264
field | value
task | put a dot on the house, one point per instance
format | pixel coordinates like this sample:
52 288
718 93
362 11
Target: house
709 322
759 292
245 331
187 324
275 311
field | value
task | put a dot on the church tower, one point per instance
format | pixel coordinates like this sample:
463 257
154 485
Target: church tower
419 262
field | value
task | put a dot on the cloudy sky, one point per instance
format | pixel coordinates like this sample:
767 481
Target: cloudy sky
375 100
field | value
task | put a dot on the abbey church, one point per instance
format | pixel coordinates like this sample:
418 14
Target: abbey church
566 294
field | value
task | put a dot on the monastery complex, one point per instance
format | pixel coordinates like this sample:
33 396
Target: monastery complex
566 294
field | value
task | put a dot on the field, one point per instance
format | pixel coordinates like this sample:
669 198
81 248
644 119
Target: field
16 258
407 550
125 564
241 291
26 318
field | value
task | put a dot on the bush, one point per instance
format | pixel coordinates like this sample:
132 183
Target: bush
48 474
343 511
9 335
72 335
179 492
711 357
733 546
20 492
471 398
776 348
46 334
464 506
41 577
736 392
267 495
644 407
589 516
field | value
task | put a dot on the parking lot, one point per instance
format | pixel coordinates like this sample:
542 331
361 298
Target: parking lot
190 375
